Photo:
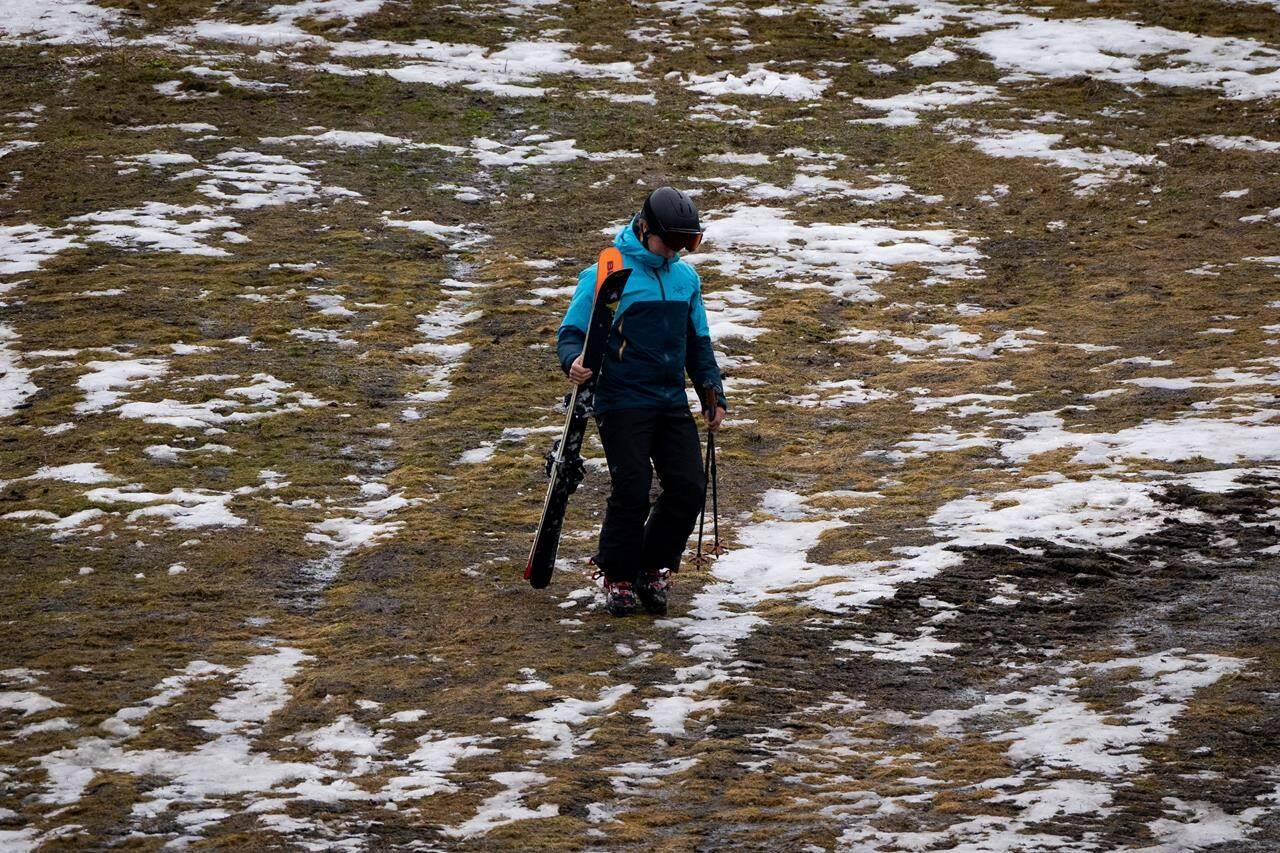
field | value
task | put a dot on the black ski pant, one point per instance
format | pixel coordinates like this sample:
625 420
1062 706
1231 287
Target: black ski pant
636 537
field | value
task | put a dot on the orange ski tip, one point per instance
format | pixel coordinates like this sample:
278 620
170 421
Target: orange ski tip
610 261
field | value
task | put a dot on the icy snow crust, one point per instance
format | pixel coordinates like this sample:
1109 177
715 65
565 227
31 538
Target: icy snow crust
998 508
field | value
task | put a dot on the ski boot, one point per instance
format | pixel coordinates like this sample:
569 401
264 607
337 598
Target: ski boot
619 598
652 588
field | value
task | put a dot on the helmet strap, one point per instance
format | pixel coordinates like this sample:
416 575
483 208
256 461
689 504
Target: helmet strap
643 225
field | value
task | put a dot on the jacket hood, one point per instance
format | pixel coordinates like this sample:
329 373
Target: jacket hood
630 246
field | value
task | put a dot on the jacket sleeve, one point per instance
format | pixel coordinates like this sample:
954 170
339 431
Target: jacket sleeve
573 329
700 359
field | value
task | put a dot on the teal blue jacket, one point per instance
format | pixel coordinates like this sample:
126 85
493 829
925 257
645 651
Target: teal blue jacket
659 333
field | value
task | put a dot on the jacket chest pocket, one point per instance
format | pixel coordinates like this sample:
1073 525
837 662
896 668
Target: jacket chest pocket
650 340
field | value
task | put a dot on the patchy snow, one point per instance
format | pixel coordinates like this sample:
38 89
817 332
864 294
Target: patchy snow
1199 824
26 702
1247 437
1127 52
890 647
159 158
969 404
477 455
326 10
669 715
16 386
58 22
24 248
508 71
274 34
343 139
1097 167
220 766
1222 377
555 724
947 338
945 439
108 382
1062 735
457 236
265 397
263 691
1239 143
904 110
183 509
8 148
809 189
845 259
362 525
758 81
88 473
343 735
443 323
228 77
159 227
728 314
531 684
505 807
248 180
1094 513
931 57
1061 731
769 561
756 159
190 127
328 336
633 777
537 150
428 765
837 393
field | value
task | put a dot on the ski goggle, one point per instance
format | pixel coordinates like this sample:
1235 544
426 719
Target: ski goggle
681 241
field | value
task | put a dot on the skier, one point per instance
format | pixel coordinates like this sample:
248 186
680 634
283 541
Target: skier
659 332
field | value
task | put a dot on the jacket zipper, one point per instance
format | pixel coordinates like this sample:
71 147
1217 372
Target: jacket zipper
661 289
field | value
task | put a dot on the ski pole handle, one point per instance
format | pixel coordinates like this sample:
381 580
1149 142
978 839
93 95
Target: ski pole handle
709 396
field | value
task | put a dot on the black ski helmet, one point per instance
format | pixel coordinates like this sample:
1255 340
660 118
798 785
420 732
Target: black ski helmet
671 215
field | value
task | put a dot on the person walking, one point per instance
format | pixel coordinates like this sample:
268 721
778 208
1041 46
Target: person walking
659 334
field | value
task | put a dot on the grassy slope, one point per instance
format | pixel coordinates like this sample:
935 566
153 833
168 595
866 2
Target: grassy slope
1106 278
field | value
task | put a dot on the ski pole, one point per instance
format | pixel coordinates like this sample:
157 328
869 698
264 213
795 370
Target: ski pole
708 396
717 547
699 560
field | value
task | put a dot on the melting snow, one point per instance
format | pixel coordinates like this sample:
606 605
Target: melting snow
23 248
904 110
159 227
507 71
766 243
1098 167
505 807
58 21
15 381
759 81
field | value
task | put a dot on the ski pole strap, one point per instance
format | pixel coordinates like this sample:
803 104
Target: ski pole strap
709 396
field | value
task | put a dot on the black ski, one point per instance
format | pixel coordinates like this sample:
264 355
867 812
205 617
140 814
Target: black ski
564 462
